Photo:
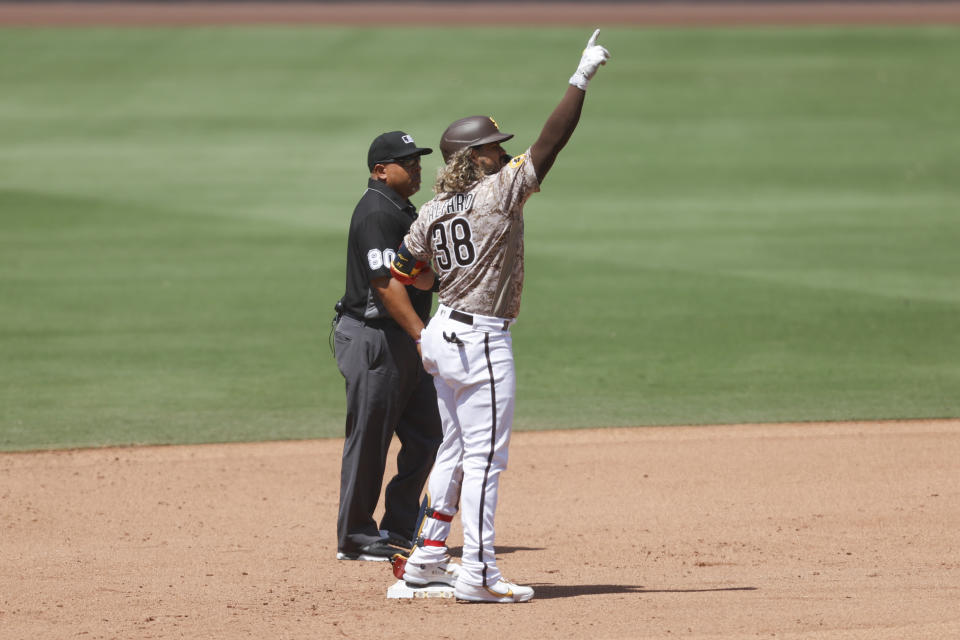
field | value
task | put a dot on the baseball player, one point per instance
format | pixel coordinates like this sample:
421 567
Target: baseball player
472 233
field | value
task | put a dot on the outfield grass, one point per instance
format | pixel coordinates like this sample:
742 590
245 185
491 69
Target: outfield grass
748 225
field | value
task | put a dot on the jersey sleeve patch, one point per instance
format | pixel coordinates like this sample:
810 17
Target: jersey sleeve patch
517 161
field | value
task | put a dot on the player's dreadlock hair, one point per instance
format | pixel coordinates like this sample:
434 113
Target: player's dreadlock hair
459 174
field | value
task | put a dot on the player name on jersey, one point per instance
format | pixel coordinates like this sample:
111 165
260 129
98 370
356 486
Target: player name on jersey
460 202
456 203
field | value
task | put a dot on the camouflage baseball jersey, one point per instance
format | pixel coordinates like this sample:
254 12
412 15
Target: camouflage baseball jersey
475 240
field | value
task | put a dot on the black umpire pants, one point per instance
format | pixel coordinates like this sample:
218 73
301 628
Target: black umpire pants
388 392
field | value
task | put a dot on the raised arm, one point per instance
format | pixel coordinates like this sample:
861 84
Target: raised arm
561 123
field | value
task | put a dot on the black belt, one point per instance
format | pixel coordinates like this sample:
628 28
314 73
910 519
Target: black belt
466 318
375 323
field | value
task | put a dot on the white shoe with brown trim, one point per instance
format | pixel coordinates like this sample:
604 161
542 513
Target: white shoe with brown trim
503 591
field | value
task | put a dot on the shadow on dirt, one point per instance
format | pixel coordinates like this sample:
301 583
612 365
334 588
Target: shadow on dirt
457 552
548 591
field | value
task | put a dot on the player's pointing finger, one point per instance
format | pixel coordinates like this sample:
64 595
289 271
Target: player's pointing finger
593 39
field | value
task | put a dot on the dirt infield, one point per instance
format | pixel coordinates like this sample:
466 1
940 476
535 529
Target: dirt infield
479 13
789 531
812 531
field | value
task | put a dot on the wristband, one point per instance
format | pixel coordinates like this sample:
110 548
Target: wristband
580 80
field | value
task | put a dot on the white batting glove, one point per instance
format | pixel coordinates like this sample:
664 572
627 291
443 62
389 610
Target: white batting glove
593 56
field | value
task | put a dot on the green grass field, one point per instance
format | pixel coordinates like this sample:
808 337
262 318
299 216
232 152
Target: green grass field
748 225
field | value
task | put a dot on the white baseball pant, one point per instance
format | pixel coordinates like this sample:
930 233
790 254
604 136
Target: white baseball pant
473 371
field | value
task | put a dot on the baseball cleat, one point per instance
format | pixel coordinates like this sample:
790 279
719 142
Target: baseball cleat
423 573
378 551
503 591
397 540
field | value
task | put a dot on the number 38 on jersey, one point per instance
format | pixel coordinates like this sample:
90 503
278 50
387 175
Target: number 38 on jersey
453 244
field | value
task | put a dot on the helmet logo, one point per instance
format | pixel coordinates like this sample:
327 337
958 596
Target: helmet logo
494 123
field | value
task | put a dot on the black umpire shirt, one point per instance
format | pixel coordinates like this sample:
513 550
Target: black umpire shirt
380 221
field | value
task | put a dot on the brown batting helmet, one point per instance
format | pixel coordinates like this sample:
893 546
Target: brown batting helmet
471 131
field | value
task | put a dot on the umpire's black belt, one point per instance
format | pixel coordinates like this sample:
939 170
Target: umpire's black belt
374 323
466 318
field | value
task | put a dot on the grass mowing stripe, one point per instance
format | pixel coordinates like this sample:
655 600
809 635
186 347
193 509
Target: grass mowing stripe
749 224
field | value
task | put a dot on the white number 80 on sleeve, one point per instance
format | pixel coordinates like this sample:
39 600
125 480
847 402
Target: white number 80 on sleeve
378 258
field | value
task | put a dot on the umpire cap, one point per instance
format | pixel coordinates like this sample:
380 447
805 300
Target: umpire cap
471 131
393 146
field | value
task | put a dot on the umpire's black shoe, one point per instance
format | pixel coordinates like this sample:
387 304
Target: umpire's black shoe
398 540
379 551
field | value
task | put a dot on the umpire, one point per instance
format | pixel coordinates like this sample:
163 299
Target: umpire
376 340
